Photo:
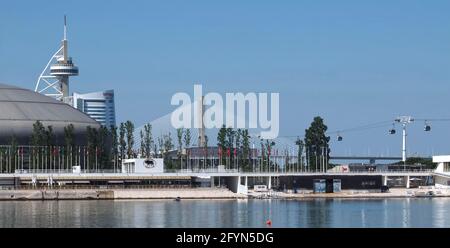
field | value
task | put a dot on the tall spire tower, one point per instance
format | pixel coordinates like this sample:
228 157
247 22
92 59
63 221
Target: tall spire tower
54 79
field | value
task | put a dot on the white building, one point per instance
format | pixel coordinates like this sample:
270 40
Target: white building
442 172
143 165
443 163
98 105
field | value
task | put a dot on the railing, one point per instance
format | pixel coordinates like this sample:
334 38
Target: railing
210 170
207 171
57 171
298 172
99 187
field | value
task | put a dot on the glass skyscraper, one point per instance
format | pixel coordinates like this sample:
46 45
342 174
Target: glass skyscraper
98 105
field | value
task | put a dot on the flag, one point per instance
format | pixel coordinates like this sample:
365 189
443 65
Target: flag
228 152
235 152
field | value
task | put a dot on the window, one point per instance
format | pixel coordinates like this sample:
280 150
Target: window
447 166
368 183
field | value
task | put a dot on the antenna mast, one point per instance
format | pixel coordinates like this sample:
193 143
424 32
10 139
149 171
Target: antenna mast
54 79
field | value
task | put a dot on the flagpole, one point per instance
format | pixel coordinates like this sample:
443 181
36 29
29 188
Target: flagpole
96 165
22 160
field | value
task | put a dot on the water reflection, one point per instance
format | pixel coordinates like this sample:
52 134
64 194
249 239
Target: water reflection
228 213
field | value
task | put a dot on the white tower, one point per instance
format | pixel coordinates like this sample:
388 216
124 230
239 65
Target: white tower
404 120
55 82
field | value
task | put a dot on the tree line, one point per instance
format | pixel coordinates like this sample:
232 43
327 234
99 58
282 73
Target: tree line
111 145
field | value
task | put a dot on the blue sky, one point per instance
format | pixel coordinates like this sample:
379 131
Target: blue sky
351 62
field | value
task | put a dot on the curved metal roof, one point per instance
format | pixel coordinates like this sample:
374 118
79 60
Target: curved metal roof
21 108
23 104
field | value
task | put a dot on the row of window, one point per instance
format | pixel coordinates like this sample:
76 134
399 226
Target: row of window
64 71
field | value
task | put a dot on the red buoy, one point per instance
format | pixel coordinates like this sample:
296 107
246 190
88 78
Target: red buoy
269 222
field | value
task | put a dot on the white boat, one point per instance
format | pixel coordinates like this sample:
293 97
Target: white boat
429 193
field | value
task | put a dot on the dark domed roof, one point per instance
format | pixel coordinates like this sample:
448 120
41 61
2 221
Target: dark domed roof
21 108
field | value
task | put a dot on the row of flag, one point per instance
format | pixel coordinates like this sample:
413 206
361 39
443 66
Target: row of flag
54 150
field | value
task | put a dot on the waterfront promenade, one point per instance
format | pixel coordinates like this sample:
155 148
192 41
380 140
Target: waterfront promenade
118 194
203 193
66 185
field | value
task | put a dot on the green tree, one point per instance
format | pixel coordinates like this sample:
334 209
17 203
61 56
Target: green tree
187 144
142 149
180 132
187 138
316 143
238 136
155 147
205 150
426 162
230 137
49 137
269 152
92 146
13 144
102 153
301 144
148 139
167 146
122 141
246 150
263 155
230 134
37 141
238 146
129 126
161 146
69 136
222 142
38 134
114 146
114 143
69 142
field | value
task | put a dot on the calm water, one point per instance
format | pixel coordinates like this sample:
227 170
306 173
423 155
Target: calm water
228 213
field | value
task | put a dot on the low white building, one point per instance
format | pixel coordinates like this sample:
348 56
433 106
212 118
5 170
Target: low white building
442 176
443 163
143 165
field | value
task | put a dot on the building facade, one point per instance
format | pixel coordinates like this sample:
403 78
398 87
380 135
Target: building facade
98 105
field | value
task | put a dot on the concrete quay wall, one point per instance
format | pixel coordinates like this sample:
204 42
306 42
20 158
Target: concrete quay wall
92 194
